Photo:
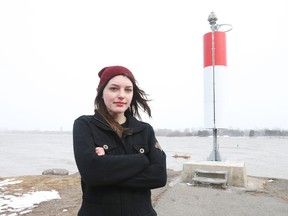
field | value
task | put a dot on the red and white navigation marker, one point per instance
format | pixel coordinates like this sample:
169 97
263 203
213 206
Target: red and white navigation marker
215 74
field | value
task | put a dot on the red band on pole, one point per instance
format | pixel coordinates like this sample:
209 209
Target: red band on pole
220 49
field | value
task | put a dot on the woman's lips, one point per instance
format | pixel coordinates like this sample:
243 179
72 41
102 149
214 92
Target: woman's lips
119 103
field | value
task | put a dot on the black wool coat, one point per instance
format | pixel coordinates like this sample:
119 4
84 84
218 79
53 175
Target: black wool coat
119 182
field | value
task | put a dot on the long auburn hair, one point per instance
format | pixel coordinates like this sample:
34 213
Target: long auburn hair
139 100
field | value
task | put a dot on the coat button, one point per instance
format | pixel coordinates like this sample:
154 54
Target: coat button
141 150
105 147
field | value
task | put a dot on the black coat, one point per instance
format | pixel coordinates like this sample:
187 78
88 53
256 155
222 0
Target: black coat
119 182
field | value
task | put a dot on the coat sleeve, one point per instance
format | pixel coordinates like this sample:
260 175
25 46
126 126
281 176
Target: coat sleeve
155 175
102 170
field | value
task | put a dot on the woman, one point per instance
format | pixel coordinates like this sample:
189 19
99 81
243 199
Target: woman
118 156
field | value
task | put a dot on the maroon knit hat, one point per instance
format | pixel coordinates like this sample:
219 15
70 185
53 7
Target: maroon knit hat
108 73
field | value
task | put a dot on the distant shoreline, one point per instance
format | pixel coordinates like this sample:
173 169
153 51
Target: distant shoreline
157 135
275 133
33 132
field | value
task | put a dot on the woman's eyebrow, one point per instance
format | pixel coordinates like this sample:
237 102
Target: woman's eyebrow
118 85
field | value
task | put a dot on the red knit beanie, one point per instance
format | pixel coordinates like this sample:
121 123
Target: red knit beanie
108 73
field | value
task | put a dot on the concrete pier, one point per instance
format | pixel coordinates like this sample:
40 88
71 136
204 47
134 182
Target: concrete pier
236 171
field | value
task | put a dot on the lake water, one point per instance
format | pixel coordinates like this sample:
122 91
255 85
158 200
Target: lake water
31 154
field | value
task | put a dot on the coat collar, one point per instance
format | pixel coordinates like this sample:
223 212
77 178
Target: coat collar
134 124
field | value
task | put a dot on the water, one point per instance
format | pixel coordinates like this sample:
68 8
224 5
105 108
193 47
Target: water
263 157
31 154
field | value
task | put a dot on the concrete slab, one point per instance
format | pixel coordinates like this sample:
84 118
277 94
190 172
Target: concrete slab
236 171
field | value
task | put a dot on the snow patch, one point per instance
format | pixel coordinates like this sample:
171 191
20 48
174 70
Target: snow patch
22 203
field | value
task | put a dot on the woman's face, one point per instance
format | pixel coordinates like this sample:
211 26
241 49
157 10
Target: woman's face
117 95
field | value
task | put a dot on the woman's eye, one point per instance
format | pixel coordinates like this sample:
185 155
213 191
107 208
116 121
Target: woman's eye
129 90
113 89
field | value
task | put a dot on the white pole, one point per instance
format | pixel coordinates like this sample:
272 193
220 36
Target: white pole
215 155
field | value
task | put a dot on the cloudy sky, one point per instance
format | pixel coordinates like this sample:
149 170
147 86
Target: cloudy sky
51 52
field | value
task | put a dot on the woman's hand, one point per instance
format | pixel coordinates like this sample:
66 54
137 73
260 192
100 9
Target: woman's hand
99 151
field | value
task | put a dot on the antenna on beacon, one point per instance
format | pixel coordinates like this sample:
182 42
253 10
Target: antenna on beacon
215 71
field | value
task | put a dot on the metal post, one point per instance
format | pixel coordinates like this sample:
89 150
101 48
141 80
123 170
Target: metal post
215 155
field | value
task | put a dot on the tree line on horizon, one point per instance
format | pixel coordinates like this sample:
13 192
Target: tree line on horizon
185 133
222 132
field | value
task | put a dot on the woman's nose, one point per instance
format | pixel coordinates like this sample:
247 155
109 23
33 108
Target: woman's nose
121 94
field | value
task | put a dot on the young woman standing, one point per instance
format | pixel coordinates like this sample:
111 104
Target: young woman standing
117 155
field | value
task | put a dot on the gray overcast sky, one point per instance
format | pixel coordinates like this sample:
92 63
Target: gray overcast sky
51 52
